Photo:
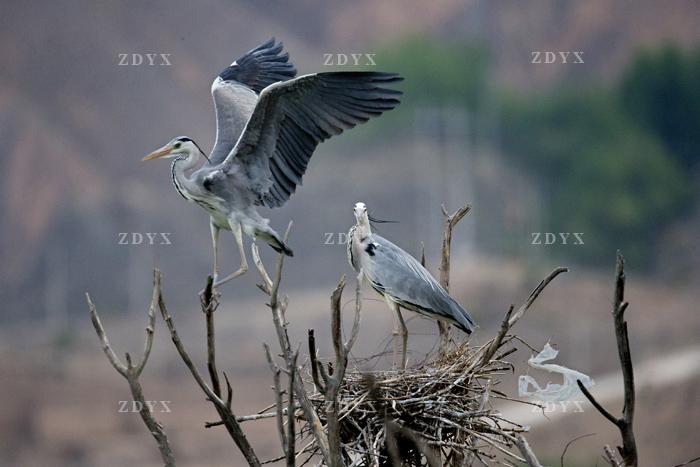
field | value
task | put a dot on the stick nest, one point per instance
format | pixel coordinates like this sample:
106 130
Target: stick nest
438 410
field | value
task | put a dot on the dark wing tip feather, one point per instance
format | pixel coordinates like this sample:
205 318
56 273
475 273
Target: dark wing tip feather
384 76
260 67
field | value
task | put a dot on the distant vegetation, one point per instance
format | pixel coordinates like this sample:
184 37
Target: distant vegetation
614 161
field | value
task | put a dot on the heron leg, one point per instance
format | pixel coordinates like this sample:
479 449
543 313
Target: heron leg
215 244
238 233
401 330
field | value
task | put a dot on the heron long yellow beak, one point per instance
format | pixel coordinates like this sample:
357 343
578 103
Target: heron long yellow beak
156 154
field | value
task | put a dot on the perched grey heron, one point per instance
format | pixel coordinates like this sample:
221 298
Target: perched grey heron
268 125
400 279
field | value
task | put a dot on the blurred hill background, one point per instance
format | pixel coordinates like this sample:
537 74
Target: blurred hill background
608 148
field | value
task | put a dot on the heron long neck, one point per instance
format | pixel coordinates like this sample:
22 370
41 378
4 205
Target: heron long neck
363 228
182 183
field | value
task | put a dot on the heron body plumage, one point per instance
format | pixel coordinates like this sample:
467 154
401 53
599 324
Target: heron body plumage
399 277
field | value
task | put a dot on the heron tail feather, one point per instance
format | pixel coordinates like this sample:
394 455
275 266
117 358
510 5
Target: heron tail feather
277 244
462 319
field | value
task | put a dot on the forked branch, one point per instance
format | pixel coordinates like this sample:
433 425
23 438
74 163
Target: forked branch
132 372
228 418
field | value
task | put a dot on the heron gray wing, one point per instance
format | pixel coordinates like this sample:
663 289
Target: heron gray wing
396 273
291 118
235 92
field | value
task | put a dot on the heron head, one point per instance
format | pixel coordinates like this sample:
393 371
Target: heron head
360 210
180 146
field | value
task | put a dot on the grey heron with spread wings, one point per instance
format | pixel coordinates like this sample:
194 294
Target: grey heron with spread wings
268 124
400 279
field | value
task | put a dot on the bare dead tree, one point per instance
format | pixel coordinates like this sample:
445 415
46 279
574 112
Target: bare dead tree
628 450
132 372
456 387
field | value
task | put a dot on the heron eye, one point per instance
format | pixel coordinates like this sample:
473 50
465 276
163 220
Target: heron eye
177 145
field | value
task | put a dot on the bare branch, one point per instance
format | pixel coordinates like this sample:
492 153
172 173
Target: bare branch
277 306
566 448
356 322
266 286
151 326
526 451
534 294
611 456
498 340
227 416
336 326
174 336
334 382
106 347
596 404
209 304
278 273
451 220
229 391
628 450
291 435
316 367
629 444
511 318
131 373
687 462
278 397
260 416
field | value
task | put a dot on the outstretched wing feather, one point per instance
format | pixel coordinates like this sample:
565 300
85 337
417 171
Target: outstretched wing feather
293 117
235 92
